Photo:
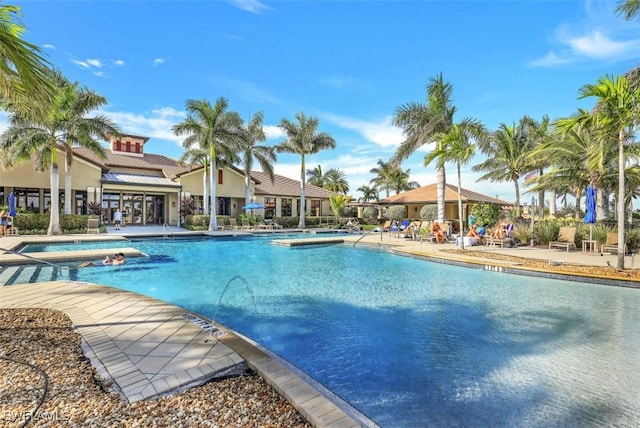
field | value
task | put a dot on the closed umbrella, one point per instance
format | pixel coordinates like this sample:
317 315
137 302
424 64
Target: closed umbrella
590 206
12 204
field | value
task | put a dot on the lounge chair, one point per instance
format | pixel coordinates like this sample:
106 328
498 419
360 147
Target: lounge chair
233 224
566 239
611 246
507 240
246 225
386 226
221 225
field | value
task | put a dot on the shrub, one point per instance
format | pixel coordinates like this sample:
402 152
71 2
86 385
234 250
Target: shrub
429 212
521 233
370 215
633 239
546 231
396 212
486 214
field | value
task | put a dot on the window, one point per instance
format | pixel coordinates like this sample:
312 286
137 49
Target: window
81 203
128 149
314 210
118 146
220 176
269 207
286 207
138 148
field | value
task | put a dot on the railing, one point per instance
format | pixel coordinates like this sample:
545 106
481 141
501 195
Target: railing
57 267
367 233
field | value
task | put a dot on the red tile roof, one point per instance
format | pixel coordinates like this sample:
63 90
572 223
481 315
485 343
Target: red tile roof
284 186
428 195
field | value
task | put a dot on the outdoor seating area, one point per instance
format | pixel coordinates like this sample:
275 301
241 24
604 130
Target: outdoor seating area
611 246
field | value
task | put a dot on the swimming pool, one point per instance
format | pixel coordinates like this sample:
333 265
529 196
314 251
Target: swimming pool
408 342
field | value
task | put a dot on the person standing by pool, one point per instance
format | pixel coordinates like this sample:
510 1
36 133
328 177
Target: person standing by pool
117 218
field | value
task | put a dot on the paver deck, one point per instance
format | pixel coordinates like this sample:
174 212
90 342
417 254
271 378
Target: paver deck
148 348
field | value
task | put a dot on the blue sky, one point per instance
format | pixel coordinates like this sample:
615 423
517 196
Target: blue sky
349 63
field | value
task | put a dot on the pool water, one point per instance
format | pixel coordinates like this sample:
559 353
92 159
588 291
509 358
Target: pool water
409 342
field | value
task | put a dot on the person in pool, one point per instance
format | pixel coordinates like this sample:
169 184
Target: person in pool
118 259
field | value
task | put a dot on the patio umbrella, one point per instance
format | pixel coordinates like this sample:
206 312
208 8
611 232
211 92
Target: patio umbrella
590 214
12 204
253 206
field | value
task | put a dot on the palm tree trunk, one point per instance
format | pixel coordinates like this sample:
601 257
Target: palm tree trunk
301 223
620 201
213 221
552 202
601 203
205 191
54 212
67 180
517 187
440 189
247 188
460 209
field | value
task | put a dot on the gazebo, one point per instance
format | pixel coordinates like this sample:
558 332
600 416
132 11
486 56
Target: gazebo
414 200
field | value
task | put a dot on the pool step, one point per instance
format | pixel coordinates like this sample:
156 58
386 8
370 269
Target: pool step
10 275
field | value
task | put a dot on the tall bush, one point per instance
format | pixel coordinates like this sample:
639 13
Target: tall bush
370 215
429 212
486 214
396 212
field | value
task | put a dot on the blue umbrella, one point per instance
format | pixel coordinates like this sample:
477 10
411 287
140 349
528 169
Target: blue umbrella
253 206
12 204
590 214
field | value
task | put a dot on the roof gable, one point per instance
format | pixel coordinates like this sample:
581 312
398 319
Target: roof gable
284 186
429 195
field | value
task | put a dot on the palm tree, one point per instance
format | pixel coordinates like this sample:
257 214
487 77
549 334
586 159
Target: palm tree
537 134
628 9
615 115
457 147
303 139
43 131
337 203
316 177
368 194
384 175
250 151
400 180
216 130
24 72
81 130
336 181
506 159
420 124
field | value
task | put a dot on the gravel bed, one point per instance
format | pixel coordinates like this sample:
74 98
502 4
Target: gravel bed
51 375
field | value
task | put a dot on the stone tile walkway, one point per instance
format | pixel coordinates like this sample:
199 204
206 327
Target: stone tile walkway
148 348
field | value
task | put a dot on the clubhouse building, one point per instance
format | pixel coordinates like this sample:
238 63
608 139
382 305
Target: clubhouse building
149 188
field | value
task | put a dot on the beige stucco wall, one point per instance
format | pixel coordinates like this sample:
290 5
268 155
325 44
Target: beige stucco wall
84 174
232 184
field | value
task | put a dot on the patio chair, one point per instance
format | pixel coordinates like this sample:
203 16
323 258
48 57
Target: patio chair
93 225
221 225
246 225
507 240
11 229
611 246
233 224
566 239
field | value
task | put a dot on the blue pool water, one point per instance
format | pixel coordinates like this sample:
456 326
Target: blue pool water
408 342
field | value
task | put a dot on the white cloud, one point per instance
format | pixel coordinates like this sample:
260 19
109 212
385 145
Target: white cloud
599 34
252 6
273 132
94 62
159 61
49 46
100 73
155 124
382 133
118 62
81 64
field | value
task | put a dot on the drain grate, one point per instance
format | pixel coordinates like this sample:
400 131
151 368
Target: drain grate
204 325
